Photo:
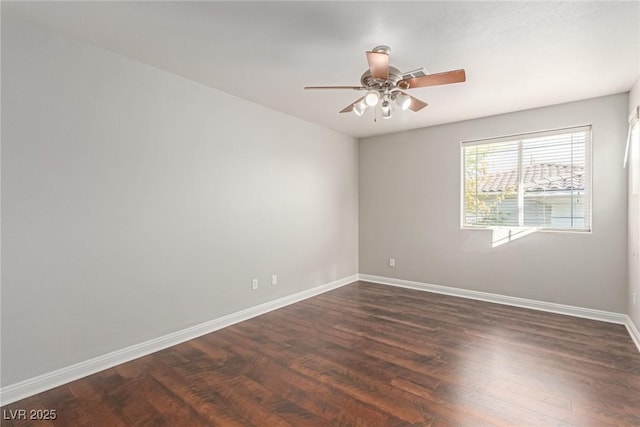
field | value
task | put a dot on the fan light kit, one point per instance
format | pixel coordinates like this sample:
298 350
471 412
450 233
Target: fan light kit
385 84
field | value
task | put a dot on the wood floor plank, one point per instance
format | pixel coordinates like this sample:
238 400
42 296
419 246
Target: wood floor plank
373 356
207 404
70 410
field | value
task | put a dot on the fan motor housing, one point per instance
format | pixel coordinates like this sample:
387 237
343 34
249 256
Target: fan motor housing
375 83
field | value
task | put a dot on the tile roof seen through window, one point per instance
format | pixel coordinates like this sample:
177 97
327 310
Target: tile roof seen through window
537 177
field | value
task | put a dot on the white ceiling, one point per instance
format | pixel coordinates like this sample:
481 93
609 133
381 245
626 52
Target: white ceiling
517 55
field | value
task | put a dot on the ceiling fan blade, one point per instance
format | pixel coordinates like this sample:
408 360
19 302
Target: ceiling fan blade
455 76
416 104
378 65
349 107
334 87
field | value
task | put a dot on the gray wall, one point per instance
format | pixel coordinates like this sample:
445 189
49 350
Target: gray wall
634 232
410 210
137 203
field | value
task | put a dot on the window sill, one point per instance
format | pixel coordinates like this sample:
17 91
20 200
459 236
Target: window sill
528 229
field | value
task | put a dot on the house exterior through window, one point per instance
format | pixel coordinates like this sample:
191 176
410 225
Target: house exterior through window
540 180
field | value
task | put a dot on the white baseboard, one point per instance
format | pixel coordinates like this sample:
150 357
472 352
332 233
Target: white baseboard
605 316
32 386
633 331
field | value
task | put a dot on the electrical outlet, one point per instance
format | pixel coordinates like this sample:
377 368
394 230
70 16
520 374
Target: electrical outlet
274 279
392 262
254 284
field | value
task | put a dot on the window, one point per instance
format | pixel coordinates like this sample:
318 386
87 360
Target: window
540 180
635 158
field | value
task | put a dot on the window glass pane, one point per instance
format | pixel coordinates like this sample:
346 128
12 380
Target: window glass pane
553 181
491 183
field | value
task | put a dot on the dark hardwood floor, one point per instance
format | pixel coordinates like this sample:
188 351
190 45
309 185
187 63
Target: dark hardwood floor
370 355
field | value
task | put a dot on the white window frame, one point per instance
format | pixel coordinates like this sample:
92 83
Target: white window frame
635 159
632 152
518 138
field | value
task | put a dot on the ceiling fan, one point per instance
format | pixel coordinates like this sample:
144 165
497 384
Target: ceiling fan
386 84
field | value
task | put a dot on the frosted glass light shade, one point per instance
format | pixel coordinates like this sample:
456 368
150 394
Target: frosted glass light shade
372 98
403 101
359 108
386 109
